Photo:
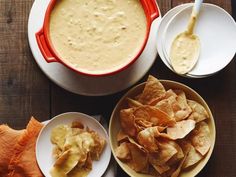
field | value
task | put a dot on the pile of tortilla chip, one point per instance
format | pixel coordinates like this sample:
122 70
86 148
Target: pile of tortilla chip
163 132
74 149
17 149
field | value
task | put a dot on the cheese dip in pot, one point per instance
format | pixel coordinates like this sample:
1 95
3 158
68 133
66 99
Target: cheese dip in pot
97 36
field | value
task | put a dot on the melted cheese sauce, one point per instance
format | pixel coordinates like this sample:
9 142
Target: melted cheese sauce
184 52
97 36
185 49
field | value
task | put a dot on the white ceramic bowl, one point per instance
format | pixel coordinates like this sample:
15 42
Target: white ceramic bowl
217 32
44 146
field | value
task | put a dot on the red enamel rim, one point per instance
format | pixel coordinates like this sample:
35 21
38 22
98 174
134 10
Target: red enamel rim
50 54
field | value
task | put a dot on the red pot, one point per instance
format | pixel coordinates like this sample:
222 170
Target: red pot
50 55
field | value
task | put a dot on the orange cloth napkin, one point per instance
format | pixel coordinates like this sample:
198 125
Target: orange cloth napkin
21 159
8 139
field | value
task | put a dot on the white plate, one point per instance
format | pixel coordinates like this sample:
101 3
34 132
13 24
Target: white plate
44 146
161 29
217 32
86 85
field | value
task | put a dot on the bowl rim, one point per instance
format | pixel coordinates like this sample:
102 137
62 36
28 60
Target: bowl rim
151 10
178 84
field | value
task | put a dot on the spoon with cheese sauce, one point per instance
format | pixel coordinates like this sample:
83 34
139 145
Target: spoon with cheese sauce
185 48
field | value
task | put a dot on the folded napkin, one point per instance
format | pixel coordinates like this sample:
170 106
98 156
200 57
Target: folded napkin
18 151
8 139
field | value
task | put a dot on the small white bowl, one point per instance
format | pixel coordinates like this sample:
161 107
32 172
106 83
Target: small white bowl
44 146
217 32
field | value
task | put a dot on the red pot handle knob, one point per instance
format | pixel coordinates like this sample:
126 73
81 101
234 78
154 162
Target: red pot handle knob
43 46
153 10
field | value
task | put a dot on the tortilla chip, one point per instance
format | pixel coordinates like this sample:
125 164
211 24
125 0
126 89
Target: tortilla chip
199 112
58 135
137 97
167 149
177 157
180 129
152 90
193 156
161 129
121 136
122 152
154 115
168 93
166 107
174 104
141 124
67 161
132 141
88 163
56 152
161 168
139 160
167 173
184 110
146 138
154 131
127 121
180 93
200 138
62 158
177 171
98 147
133 103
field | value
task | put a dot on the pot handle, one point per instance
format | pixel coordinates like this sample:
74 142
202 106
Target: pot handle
154 13
48 56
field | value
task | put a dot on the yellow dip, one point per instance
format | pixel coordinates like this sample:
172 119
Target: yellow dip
97 36
185 50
